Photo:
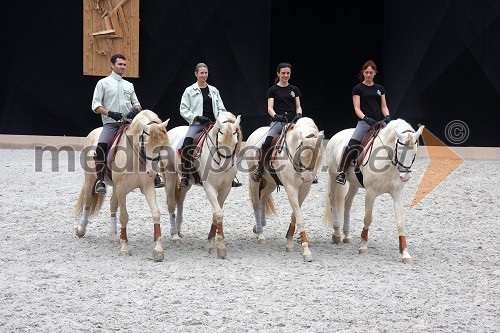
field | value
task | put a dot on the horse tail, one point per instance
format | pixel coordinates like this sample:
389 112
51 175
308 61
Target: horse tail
95 203
270 207
340 193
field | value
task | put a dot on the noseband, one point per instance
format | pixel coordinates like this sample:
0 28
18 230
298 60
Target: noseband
142 150
396 161
216 146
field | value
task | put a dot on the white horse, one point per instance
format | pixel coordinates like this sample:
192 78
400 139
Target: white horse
132 167
216 165
295 160
385 168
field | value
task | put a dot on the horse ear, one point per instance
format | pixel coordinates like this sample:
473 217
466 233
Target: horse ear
143 125
165 123
237 122
321 135
219 123
401 136
419 132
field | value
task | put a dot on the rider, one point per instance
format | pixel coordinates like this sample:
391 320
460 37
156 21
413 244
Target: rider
283 105
114 97
200 104
370 106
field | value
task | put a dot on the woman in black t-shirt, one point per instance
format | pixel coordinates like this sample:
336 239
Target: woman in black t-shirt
370 106
283 105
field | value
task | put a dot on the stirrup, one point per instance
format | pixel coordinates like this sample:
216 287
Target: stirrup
100 188
184 182
158 182
236 183
340 178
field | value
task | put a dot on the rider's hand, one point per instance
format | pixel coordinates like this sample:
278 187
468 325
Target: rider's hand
297 117
202 119
369 121
115 115
387 119
132 114
280 118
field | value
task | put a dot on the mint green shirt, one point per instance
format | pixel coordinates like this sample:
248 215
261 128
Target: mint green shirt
114 93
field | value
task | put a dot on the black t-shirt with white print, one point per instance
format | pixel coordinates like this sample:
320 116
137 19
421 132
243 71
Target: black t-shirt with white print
284 100
370 99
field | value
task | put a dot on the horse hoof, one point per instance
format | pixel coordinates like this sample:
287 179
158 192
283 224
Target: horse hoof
221 252
347 240
262 241
114 239
158 256
363 251
80 231
336 239
125 253
308 258
176 239
406 260
289 248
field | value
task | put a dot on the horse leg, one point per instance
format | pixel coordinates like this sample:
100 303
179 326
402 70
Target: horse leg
124 250
289 234
86 197
333 197
113 207
217 200
349 198
369 201
398 211
258 205
171 180
295 202
150 194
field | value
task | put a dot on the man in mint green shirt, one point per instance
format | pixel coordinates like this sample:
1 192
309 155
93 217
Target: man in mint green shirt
114 98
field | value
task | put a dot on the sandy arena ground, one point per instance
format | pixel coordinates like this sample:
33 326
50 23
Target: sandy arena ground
52 281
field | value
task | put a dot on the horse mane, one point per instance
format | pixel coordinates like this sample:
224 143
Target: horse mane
157 134
307 122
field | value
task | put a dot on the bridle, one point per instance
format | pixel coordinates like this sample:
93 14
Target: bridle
396 161
295 160
217 149
141 152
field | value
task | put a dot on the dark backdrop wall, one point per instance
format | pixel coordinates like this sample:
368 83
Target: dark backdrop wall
437 60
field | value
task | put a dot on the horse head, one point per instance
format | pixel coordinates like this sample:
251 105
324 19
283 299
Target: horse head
150 135
405 150
308 148
227 136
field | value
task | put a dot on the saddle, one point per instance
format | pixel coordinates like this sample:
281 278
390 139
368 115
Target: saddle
367 144
275 149
111 153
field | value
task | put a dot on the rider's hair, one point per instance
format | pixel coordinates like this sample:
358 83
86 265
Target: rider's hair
280 66
201 64
368 63
117 56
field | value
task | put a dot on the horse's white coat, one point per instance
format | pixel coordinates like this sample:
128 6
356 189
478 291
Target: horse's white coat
380 176
127 176
297 182
216 171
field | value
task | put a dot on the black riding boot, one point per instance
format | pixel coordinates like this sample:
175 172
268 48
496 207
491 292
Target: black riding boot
257 174
99 158
350 153
186 161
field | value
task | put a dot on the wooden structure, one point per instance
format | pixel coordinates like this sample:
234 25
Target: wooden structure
109 27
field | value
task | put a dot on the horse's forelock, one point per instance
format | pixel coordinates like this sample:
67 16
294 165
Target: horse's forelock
157 135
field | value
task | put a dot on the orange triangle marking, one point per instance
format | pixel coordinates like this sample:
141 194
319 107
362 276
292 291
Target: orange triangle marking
442 162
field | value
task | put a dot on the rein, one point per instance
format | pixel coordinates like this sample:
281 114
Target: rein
141 152
216 146
295 160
